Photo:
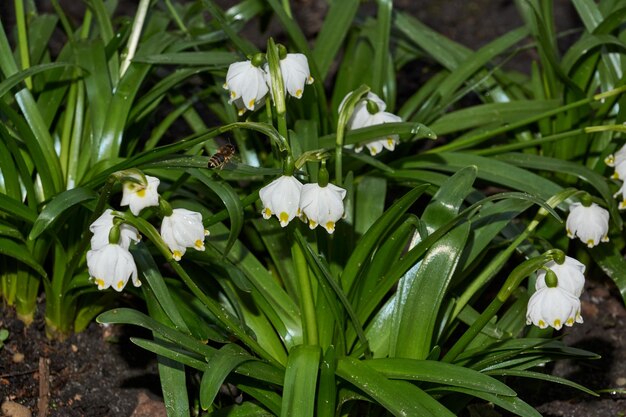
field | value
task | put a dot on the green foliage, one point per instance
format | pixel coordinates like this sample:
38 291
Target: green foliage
384 316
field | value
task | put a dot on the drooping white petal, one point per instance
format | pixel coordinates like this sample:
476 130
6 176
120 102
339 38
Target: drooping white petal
281 198
570 275
112 266
322 205
590 224
137 196
295 72
101 228
553 307
246 82
181 230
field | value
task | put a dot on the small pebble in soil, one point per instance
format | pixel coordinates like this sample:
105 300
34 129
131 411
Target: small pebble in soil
18 357
13 409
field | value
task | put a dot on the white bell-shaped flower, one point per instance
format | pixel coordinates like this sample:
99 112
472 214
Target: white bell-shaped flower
139 196
246 82
101 228
570 276
372 115
616 158
590 224
553 307
181 230
281 198
294 69
322 205
112 266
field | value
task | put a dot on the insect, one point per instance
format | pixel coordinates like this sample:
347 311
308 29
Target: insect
222 156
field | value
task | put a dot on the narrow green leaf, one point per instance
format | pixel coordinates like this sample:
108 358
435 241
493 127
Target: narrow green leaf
231 201
15 79
609 258
512 404
20 252
445 51
490 114
43 146
399 397
301 381
213 59
334 30
58 208
150 272
439 373
370 202
543 377
417 285
375 233
256 369
327 388
15 208
219 367
545 163
489 169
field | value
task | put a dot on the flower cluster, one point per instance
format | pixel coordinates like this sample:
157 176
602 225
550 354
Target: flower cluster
618 161
556 299
110 262
249 83
317 204
370 111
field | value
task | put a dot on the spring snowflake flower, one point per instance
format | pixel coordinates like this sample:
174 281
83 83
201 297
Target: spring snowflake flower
590 224
112 266
294 69
553 307
246 83
617 158
322 205
139 196
181 230
371 112
102 227
570 275
281 198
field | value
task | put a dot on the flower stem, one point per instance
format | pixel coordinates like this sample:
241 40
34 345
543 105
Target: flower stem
307 304
135 34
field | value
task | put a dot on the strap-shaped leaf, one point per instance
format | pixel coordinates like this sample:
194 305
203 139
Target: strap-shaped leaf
231 201
399 397
219 367
439 373
375 233
20 252
15 208
58 207
301 381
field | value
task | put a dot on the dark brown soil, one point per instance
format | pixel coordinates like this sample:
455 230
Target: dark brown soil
96 373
